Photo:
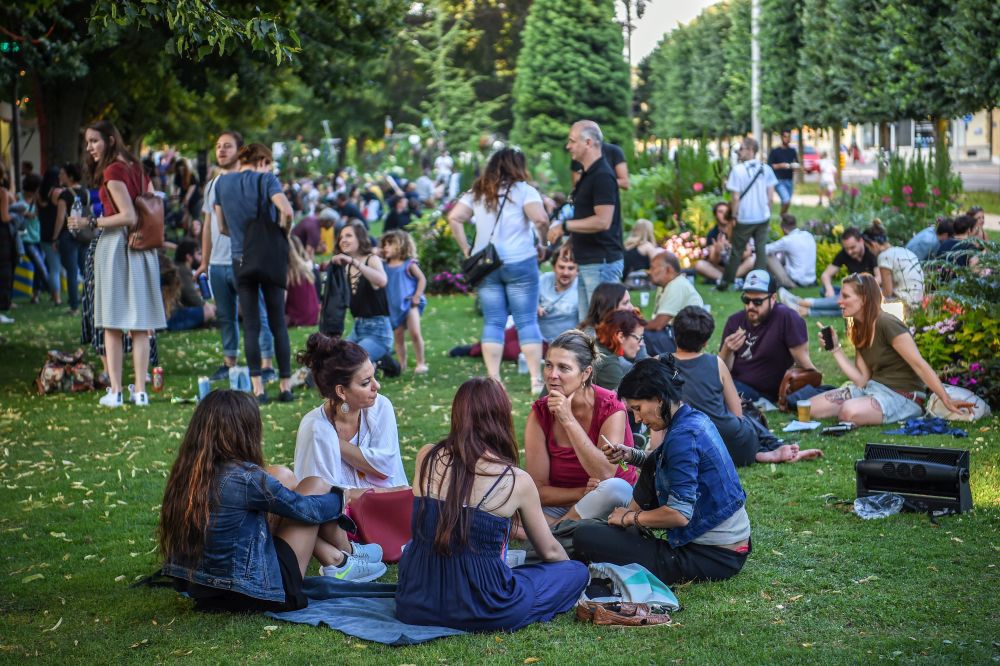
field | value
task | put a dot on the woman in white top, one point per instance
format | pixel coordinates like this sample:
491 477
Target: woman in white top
899 268
351 440
508 212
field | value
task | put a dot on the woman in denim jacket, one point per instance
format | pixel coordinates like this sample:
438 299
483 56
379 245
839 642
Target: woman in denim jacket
688 487
236 538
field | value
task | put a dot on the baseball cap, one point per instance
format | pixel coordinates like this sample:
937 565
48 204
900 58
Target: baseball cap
329 214
761 281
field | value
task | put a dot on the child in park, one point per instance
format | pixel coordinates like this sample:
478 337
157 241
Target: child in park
406 294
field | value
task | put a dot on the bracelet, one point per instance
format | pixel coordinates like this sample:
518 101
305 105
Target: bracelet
635 519
637 457
93 223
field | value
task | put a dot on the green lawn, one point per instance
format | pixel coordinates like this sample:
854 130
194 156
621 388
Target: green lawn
80 489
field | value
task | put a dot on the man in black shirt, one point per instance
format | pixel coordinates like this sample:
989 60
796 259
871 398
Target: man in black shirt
784 160
596 227
615 157
854 255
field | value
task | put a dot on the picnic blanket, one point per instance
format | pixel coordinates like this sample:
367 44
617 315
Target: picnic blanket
363 610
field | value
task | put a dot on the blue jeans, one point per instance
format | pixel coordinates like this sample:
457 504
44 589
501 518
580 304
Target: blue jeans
54 266
511 290
591 275
374 335
784 188
226 303
747 391
72 254
34 252
824 307
186 319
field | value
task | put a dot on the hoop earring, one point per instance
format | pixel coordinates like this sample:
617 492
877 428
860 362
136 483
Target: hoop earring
344 408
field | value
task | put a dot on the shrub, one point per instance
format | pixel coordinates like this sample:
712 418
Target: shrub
447 282
436 247
825 252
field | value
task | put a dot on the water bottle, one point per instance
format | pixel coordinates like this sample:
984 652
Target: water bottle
76 211
206 290
522 364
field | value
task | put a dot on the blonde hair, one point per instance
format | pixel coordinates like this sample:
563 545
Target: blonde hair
641 233
402 240
299 267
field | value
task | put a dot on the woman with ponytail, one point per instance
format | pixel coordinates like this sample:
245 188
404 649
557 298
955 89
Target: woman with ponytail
351 440
899 269
688 487
236 535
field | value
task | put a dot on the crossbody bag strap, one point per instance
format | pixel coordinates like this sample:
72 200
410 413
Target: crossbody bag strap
752 181
499 213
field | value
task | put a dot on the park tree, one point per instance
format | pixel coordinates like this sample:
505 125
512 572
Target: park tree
671 105
707 83
780 44
570 67
736 47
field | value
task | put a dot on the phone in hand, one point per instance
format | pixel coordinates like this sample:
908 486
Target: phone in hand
827 333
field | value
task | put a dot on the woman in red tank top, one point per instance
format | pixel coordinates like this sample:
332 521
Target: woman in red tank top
565 432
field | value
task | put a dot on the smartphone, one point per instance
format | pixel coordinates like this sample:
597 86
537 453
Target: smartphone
827 333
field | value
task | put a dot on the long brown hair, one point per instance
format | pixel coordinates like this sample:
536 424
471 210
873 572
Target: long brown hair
225 428
481 426
114 148
505 168
861 329
252 153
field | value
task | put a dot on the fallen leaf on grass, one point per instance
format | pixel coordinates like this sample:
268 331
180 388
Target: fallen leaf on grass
53 627
142 642
28 579
532 660
867 579
119 579
271 627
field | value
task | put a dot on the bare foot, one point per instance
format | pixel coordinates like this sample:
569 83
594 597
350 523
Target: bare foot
808 454
784 453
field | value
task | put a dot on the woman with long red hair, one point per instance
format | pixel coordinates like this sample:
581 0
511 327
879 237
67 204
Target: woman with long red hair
889 378
467 490
235 534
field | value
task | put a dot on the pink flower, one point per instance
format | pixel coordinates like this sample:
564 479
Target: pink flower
909 204
975 367
953 381
855 191
936 192
907 190
886 199
697 187
921 204
972 381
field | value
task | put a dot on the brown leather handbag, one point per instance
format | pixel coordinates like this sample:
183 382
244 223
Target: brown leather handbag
148 232
794 379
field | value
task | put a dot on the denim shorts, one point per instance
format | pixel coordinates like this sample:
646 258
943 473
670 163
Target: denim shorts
895 407
784 189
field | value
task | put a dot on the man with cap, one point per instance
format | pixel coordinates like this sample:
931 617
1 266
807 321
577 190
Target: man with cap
763 340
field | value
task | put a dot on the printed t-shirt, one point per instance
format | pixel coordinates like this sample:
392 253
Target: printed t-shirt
765 356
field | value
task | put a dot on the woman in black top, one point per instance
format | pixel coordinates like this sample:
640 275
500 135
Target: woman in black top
48 207
369 304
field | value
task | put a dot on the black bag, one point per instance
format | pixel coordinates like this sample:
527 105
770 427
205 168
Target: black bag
484 262
336 301
265 247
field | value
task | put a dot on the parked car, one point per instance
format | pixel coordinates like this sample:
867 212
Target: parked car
810 160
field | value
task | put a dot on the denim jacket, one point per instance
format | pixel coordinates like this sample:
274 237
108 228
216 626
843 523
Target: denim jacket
696 477
239 552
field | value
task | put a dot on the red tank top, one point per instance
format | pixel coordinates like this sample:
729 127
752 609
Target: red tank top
565 470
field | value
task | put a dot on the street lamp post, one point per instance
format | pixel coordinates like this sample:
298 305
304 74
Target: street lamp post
755 70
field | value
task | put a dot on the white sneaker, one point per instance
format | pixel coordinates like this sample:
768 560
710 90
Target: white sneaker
354 570
140 399
370 552
4 319
111 399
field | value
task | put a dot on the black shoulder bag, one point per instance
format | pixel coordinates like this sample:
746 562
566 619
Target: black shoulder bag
265 247
336 301
484 262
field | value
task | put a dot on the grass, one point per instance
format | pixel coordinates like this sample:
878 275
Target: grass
989 201
80 489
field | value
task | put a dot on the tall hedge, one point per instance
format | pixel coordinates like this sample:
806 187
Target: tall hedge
571 66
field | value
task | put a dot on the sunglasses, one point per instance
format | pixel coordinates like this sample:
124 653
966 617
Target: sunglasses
756 301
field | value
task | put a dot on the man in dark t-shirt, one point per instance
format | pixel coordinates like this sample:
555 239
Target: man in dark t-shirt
765 339
615 157
596 226
854 255
784 160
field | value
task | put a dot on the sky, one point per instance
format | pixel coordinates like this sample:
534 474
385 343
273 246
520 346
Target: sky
661 17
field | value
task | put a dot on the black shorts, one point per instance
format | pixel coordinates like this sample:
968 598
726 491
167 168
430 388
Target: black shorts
212 600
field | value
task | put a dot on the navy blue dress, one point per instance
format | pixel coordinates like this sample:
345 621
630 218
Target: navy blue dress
473 589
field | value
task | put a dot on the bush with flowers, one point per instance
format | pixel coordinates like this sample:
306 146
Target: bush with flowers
437 250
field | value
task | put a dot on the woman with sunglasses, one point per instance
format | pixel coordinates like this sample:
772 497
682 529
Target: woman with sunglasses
889 378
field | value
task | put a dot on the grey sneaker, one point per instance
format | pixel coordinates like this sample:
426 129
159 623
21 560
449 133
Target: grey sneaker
354 570
371 552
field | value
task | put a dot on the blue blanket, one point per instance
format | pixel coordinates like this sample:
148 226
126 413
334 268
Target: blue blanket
928 425
363 610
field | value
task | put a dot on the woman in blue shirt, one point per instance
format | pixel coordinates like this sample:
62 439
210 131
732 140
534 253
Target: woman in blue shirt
688 487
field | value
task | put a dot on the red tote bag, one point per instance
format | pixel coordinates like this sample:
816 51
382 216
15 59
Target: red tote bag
385 519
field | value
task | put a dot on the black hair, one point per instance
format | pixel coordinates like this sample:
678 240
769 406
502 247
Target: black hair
50 181
31 183
72 170
653 379
186 247
693 327
945 226
875 233
851 232
964 223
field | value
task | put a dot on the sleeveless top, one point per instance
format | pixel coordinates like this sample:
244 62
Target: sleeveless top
565 470
366 300
399 291
634 261
703 391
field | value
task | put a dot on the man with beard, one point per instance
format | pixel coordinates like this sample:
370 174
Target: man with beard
760 343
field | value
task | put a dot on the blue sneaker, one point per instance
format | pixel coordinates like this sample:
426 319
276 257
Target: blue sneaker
354 570
370 552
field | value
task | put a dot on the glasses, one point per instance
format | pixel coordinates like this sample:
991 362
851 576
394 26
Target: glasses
637 338
756 301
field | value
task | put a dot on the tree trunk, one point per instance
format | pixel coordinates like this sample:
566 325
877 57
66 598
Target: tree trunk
800 174
837 129
940 143
59 110
883 147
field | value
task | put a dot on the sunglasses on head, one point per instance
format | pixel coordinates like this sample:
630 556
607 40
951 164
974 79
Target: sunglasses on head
756 301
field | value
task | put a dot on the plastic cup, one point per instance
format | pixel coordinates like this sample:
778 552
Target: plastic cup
803 408
644 299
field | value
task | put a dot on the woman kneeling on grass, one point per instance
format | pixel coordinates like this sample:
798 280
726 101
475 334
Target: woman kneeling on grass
468 488
236 535
889 375
688 486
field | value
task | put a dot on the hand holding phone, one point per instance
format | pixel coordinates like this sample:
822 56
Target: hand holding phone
829 340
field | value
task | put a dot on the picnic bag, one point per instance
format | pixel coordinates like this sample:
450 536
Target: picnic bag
265 246
65 373
385 519
487 260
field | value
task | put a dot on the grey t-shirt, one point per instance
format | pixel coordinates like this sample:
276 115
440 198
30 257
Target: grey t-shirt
239 194
222 252
733 529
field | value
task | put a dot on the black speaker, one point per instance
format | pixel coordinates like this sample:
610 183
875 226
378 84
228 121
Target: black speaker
929 479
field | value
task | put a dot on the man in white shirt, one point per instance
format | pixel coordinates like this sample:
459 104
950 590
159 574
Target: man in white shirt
791 261
752 185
